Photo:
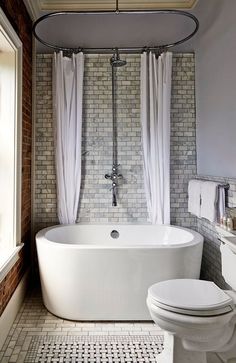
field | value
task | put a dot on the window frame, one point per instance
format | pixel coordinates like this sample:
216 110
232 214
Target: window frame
16 44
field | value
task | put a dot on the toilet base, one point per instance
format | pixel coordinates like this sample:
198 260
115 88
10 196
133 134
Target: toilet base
228 357
174 352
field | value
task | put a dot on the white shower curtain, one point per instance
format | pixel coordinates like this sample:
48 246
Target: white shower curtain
155 120
68 96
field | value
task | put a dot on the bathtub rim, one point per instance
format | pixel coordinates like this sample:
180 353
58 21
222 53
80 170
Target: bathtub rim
40 238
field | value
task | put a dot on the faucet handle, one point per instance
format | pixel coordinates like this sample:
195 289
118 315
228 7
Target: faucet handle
113 186
115 167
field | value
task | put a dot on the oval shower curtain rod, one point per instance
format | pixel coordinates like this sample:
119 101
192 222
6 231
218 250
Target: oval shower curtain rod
156 48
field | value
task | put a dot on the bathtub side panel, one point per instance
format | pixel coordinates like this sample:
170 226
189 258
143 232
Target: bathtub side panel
109 284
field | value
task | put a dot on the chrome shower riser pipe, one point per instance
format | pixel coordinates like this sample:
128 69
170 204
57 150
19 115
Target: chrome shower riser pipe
114 124
115 62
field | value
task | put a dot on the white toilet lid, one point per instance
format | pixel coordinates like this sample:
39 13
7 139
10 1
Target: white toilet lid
192 297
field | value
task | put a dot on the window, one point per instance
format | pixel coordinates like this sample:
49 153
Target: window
10 144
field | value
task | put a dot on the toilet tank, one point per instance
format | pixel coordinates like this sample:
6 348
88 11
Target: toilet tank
228 260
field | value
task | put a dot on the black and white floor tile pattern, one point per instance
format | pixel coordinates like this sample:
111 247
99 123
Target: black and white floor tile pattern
38 336
95 349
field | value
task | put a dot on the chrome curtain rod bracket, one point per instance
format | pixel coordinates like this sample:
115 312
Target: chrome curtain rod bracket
108 50
117 7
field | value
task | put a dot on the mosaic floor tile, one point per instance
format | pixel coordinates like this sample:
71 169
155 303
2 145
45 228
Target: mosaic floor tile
35 330
95 349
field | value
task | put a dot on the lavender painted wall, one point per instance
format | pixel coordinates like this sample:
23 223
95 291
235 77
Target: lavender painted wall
216 88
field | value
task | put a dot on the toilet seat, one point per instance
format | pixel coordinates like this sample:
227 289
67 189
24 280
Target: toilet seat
190 297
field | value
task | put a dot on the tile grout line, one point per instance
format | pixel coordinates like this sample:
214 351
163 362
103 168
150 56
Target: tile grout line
33 321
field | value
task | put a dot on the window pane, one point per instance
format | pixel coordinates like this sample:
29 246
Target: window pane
7 141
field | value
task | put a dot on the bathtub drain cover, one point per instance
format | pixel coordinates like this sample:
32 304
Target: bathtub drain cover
95 349
114 234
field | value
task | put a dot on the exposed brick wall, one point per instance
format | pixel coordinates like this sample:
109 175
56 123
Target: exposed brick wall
17 15
12 279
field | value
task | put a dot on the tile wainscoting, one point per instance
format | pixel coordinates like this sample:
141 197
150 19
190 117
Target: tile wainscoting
211 263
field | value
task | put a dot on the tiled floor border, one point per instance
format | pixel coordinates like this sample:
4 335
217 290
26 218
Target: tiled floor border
35 322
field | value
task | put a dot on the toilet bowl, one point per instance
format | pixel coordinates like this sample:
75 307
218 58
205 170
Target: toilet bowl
197 316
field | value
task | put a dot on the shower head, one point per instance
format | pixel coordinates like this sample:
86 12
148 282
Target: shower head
116 61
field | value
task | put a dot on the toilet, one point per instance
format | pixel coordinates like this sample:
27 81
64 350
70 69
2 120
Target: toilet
198 318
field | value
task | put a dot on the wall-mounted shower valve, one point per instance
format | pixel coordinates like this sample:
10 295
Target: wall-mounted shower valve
114 178
114 175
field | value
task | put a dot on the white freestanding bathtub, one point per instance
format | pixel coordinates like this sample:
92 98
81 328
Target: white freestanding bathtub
88 272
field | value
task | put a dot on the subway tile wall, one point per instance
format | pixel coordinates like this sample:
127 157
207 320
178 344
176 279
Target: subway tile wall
44 210
183 138
96 198
97 151
211 262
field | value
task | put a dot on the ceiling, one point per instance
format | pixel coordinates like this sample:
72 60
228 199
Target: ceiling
112 31
36 8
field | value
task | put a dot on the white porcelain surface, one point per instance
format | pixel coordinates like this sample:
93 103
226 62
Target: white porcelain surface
129 235
174 352
228 262
223 232
195 334
188 333
87 275
189 294
230 242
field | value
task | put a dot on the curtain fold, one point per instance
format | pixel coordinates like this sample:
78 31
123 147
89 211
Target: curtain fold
67 102
155 122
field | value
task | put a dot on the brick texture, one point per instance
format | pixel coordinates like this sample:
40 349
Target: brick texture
95 202
183 138
34 323
211 262
21 22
